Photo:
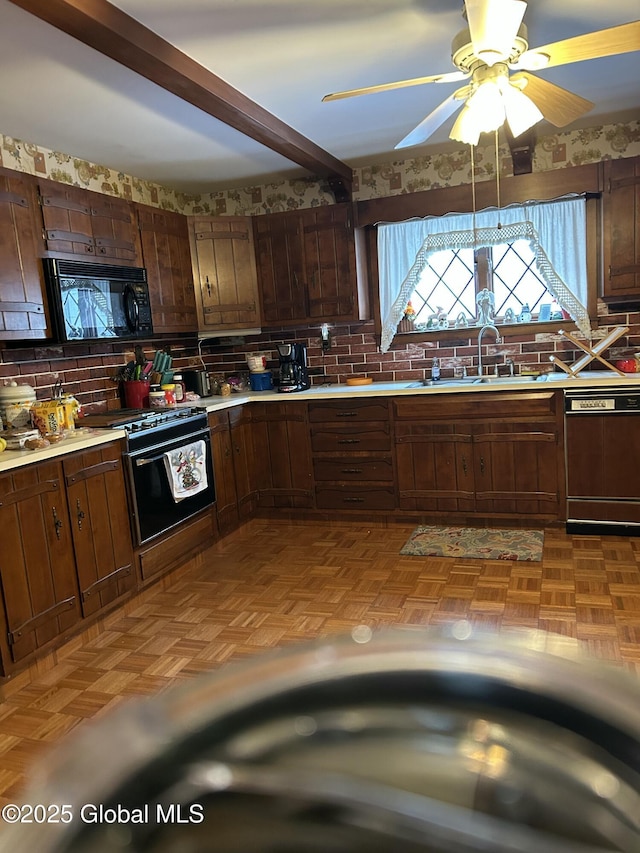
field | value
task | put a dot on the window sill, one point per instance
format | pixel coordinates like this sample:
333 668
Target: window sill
547 327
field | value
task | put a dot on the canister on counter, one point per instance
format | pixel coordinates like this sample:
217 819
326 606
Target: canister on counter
15 405
169 393
180 387
157 398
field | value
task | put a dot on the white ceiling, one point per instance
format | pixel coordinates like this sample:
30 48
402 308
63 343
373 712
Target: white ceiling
285 55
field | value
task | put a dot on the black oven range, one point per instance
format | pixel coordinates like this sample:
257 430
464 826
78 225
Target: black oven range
168 465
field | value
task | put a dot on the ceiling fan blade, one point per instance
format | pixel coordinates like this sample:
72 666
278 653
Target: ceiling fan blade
449 77
431 123
610 42
493 25
557 105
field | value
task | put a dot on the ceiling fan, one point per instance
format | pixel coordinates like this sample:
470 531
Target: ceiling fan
486 52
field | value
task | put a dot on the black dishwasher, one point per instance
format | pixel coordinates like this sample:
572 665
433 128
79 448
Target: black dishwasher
602 447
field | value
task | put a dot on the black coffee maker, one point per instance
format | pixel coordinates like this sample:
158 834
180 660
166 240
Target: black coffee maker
293 374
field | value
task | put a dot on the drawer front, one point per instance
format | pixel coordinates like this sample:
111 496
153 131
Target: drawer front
344 411
354 469
511 405
351 496
339 438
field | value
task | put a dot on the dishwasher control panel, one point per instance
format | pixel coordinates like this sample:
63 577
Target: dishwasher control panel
608 402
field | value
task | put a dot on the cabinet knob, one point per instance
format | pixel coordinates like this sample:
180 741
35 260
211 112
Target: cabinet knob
80 514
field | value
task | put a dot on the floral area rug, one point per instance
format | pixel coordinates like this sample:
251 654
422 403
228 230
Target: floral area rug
475 543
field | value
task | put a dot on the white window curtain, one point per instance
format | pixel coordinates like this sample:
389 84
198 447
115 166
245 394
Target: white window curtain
556 232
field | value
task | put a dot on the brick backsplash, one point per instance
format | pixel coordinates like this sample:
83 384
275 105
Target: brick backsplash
85 370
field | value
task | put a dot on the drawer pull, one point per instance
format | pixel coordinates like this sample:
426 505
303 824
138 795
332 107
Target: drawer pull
353 500
351 471
349 441
346 414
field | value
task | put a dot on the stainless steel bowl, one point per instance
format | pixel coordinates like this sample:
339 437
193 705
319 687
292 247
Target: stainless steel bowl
401 741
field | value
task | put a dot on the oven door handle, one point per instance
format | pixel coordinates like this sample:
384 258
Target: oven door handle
175 445
140 462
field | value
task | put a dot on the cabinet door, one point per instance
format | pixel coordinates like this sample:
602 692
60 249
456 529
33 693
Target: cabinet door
329 262
281 272
282 455
242 450
23 315
167 258
516 469
224 272
621 230
115 230
100 525
37 566
66 212
79 222
434 464
223 468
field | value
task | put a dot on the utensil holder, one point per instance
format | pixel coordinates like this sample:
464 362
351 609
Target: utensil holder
136 394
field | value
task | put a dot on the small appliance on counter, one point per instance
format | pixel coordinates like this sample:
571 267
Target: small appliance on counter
197 381
293 374
260 378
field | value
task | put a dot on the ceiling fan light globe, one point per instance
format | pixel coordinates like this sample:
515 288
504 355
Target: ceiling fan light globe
487 106
465 128
520 111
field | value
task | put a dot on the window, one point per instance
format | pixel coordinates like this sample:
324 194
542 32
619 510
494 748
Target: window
524 255
452 278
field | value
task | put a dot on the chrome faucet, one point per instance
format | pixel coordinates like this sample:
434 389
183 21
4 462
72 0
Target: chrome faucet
485 328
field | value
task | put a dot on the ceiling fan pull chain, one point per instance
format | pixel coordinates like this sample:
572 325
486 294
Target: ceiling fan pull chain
473 198
498 177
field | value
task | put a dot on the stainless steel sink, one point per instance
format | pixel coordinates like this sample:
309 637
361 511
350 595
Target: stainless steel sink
473 380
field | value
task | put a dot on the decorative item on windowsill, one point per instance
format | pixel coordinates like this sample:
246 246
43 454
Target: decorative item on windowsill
406 324
485 300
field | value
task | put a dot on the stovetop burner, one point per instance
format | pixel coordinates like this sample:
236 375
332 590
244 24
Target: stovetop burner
142 425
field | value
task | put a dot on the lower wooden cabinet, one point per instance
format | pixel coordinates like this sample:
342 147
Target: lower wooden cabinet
67 550
497 455
233 466
40 594
99 516
282 456
351 442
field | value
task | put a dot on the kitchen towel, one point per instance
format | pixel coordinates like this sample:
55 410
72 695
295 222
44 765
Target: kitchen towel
187 470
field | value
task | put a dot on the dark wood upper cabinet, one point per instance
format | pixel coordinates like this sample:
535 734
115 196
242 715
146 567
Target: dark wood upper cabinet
621 231
23 311
80 223
306 263
224 272
280 264
166 254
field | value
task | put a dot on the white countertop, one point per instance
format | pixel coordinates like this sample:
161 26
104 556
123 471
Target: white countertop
84 438
585 381
79 439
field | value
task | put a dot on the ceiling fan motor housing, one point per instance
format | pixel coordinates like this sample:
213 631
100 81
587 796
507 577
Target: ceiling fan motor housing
465 59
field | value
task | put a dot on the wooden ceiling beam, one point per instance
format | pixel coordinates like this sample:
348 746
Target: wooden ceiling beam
102 26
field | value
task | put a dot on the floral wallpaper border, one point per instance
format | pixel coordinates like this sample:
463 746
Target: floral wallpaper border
431 171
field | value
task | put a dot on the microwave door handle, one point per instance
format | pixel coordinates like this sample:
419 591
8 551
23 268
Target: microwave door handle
131 309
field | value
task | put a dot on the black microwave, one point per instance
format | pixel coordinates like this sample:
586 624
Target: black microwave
97 301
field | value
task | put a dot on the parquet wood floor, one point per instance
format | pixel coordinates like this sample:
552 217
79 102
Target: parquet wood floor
273 583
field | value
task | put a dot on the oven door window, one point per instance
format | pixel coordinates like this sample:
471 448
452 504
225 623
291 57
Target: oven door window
156 510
